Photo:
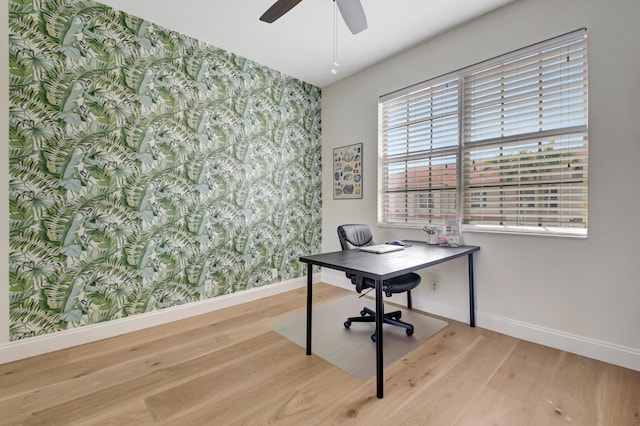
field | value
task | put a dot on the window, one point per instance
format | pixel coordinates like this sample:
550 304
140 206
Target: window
420 155
499 146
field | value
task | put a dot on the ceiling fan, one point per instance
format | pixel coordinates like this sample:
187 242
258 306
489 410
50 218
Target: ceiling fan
351 11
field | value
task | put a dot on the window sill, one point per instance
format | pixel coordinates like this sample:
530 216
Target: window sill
527 230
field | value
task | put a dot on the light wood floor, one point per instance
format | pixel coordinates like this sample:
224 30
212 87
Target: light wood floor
229 368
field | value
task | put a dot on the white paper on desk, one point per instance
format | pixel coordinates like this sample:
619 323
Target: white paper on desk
381 248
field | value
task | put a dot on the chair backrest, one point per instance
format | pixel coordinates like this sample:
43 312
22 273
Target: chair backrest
355 235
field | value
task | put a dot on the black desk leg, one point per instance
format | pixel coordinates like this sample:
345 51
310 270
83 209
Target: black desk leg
472 309
379 333
309 303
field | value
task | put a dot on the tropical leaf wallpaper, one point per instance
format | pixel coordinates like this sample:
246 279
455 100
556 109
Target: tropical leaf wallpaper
148 169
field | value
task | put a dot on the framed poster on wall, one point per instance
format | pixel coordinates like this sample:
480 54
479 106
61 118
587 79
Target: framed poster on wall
347 172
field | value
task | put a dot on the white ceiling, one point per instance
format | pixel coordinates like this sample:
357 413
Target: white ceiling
300 44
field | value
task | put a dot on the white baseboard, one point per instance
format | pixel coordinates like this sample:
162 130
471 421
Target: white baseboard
21 349
592 348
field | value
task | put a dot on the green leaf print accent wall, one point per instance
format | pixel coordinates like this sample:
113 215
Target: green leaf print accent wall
148 169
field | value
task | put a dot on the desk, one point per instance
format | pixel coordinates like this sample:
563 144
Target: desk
379 267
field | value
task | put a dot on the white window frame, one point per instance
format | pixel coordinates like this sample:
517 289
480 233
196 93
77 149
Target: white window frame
419 154
527 174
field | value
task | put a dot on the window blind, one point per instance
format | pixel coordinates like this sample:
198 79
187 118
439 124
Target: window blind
501 145
419 155
525 139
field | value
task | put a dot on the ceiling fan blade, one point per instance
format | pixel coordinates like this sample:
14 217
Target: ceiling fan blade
278 9
353 15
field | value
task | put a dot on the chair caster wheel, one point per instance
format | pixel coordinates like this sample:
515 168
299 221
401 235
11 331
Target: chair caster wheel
410 331
347 324
363 313
373 338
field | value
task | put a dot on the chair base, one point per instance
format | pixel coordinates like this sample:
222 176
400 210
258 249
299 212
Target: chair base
391 318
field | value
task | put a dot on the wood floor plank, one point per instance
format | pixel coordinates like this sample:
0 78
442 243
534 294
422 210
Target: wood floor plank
619 396
133 412
492 408
52 366
125 361
212 335
310 399
11 370
406 381
110 398
132 364
302 383
407 373
228 367
526 373
442 400
231 381
573 394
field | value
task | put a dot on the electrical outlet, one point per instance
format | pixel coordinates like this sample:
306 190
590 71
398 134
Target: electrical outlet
274 273
434 285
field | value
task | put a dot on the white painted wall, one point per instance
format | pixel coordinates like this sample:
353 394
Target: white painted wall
582 295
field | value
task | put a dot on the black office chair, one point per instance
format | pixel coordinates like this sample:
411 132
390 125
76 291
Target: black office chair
354 236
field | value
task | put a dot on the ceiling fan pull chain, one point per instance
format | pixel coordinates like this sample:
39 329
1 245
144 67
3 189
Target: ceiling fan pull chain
336 64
